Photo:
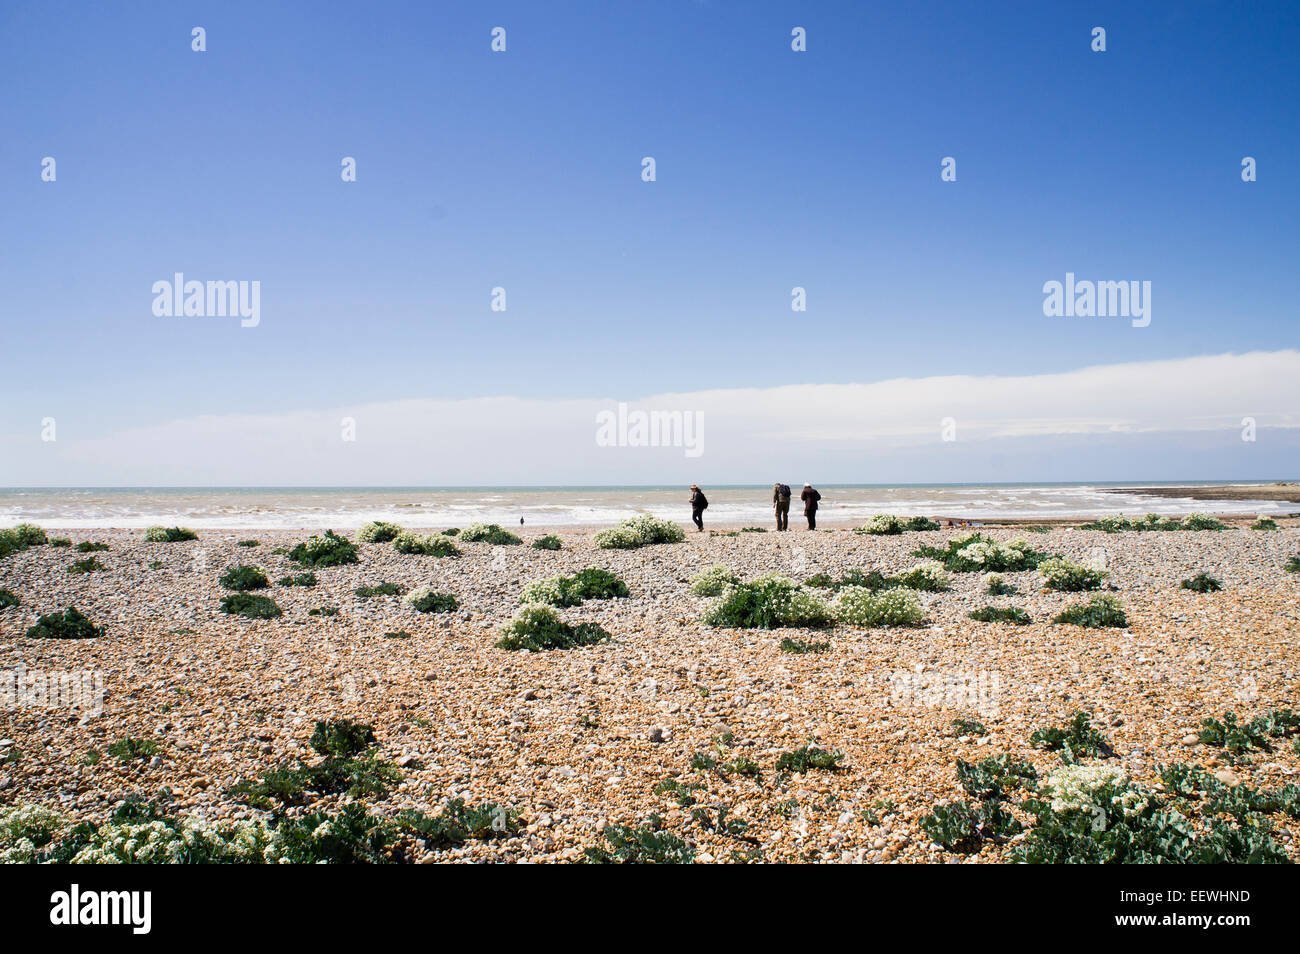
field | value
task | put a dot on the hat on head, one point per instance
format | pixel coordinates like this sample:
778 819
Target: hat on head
806 484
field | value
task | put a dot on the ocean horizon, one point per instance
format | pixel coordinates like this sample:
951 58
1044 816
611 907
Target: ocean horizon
584 505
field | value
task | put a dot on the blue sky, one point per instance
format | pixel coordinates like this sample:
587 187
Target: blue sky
522 169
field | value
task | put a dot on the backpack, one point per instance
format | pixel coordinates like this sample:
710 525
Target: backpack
785 491
703 502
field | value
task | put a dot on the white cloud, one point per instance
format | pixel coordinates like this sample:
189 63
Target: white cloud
509 440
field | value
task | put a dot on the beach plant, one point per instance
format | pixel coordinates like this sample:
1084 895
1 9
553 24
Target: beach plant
929 576
548 542
644 844
537 628
169 534
1103 611
489 533
248 543
428 544
1238 737
297 579
809 757
769 602
339 738
713 581
127 748
639 531
753 529
592 583
800 647
1264 523
378 531
329 549
1292 565
969 727
859 606
996 585
963 826
425 599
1201 521
29 535
458 822
250 606
8 598
1118 523
1078 738
70 624
888 524
60 542
88 565
872 580
1202 583
1063 576
379 589
977 552
90 546
1000 614
244 578
324 611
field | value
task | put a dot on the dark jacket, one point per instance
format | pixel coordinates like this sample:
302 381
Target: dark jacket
781 494
698 500
809 498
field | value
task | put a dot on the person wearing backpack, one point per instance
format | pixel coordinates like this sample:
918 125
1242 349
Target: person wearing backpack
810 498
781 504
699 503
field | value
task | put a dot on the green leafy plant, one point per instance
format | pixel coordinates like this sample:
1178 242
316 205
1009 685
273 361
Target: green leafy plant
339 738
769 602
324 611
250 606
1238 737
429 544
90 546
886 524
8 598
1066 577
378 531
643 844
88 565
60 542
70 624
1101 612
968 727
327 550
1202 583
489 533
592 583
127 749
297 579
249 543
807 758
996 585
978 552
548 542
244 578
169 534
1000 614
379 589
801 647
424 599
537 628
1264 523
1077 738
639 531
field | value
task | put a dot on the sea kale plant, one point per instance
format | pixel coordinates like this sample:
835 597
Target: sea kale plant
327 550
489 533
769 602
169 534
977 552
537 628
639 531
589 584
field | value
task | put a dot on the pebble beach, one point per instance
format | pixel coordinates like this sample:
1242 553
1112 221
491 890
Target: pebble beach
576 740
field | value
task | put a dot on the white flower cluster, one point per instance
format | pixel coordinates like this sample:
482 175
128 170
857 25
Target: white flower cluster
860 606
156 842
1074 787
1060 574
983 551
549 590
639 531
883 524
929 575
24 830
712 581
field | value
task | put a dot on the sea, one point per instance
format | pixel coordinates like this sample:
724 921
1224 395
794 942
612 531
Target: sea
444 507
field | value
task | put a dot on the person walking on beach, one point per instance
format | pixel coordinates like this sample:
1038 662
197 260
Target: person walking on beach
810 498
781 504
698 503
